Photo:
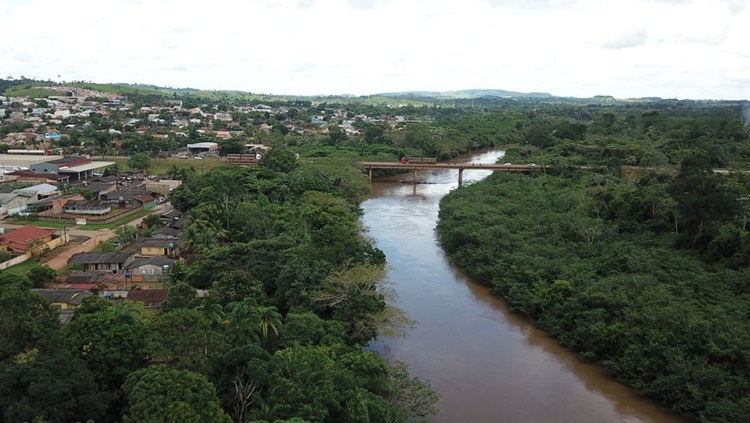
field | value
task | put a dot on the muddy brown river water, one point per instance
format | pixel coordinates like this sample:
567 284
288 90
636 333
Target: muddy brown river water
488 364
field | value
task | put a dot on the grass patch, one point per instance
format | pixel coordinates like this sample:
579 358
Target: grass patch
22 268
161 166
117 222
31 92
117 88
40 223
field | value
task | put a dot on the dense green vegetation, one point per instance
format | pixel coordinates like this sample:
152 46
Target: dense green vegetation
638 263
293 295
648 277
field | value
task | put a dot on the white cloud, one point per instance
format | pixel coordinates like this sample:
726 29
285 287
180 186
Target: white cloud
626 48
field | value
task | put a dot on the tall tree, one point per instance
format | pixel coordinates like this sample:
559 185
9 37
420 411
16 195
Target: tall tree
139 161
27 320
160 394
53 388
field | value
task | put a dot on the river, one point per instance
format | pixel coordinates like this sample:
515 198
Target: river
488 364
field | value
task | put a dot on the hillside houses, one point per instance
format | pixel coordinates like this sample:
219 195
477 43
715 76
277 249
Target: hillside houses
114 124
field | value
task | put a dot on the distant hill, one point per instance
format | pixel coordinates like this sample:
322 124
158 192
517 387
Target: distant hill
465 94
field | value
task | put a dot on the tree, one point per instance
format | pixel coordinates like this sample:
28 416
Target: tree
269 318
243 322
139 161
113 170
183 339
280 160
112 344
27 320
201 236
37 248
41 275
232 146
410 395
242 374
375 134
336 135
180 295
125 235
353 297
418 136
306 383
152 221
158 393
54 388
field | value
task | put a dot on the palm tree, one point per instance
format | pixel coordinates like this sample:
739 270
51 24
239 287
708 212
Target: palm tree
269 318
201 236
126 312
213 310
243 322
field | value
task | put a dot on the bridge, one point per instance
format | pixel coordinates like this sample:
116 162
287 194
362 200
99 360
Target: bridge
415 166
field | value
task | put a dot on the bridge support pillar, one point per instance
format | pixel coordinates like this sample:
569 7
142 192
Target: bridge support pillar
414 180
460 177
369 174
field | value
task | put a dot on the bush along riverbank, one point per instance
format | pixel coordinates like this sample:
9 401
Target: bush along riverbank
647 277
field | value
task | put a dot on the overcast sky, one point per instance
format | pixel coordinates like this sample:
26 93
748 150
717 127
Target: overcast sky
698 49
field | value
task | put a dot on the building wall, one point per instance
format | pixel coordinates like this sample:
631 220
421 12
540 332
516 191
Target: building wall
91 211
22 258
17 205
44 168
154 251
148 270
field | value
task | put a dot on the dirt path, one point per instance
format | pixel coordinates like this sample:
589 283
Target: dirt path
85 241
78 244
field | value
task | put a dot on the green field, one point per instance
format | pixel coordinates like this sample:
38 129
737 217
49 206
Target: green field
161 166
30 91
40 223
22 268
116 88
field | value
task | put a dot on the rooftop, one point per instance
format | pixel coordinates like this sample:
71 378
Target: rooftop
24 160
85 167
26 234
67 296
91 258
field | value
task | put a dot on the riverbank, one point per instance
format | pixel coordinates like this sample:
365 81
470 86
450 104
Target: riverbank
616 291
488 363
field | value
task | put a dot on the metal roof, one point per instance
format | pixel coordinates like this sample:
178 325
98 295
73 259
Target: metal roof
85 167
90 258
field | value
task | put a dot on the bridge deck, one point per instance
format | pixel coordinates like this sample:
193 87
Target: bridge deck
445 165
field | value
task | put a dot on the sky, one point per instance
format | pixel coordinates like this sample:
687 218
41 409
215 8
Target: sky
686 49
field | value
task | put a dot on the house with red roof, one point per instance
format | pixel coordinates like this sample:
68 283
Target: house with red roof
18 241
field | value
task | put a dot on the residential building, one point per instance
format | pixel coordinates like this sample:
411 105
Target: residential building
18 241
151 247
96 208
114 262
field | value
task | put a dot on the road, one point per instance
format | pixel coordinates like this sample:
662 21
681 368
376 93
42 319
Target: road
86 241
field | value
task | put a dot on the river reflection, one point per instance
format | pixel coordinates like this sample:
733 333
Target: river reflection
488 364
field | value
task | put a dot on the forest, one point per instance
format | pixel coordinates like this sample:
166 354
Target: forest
642 269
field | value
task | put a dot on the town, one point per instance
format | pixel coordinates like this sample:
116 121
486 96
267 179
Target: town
60 170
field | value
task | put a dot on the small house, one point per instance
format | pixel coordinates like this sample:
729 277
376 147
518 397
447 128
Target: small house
19 240
152 247
96 208
149 269
114 262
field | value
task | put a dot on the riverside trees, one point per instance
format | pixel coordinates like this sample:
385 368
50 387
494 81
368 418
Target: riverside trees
645 277
294 293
